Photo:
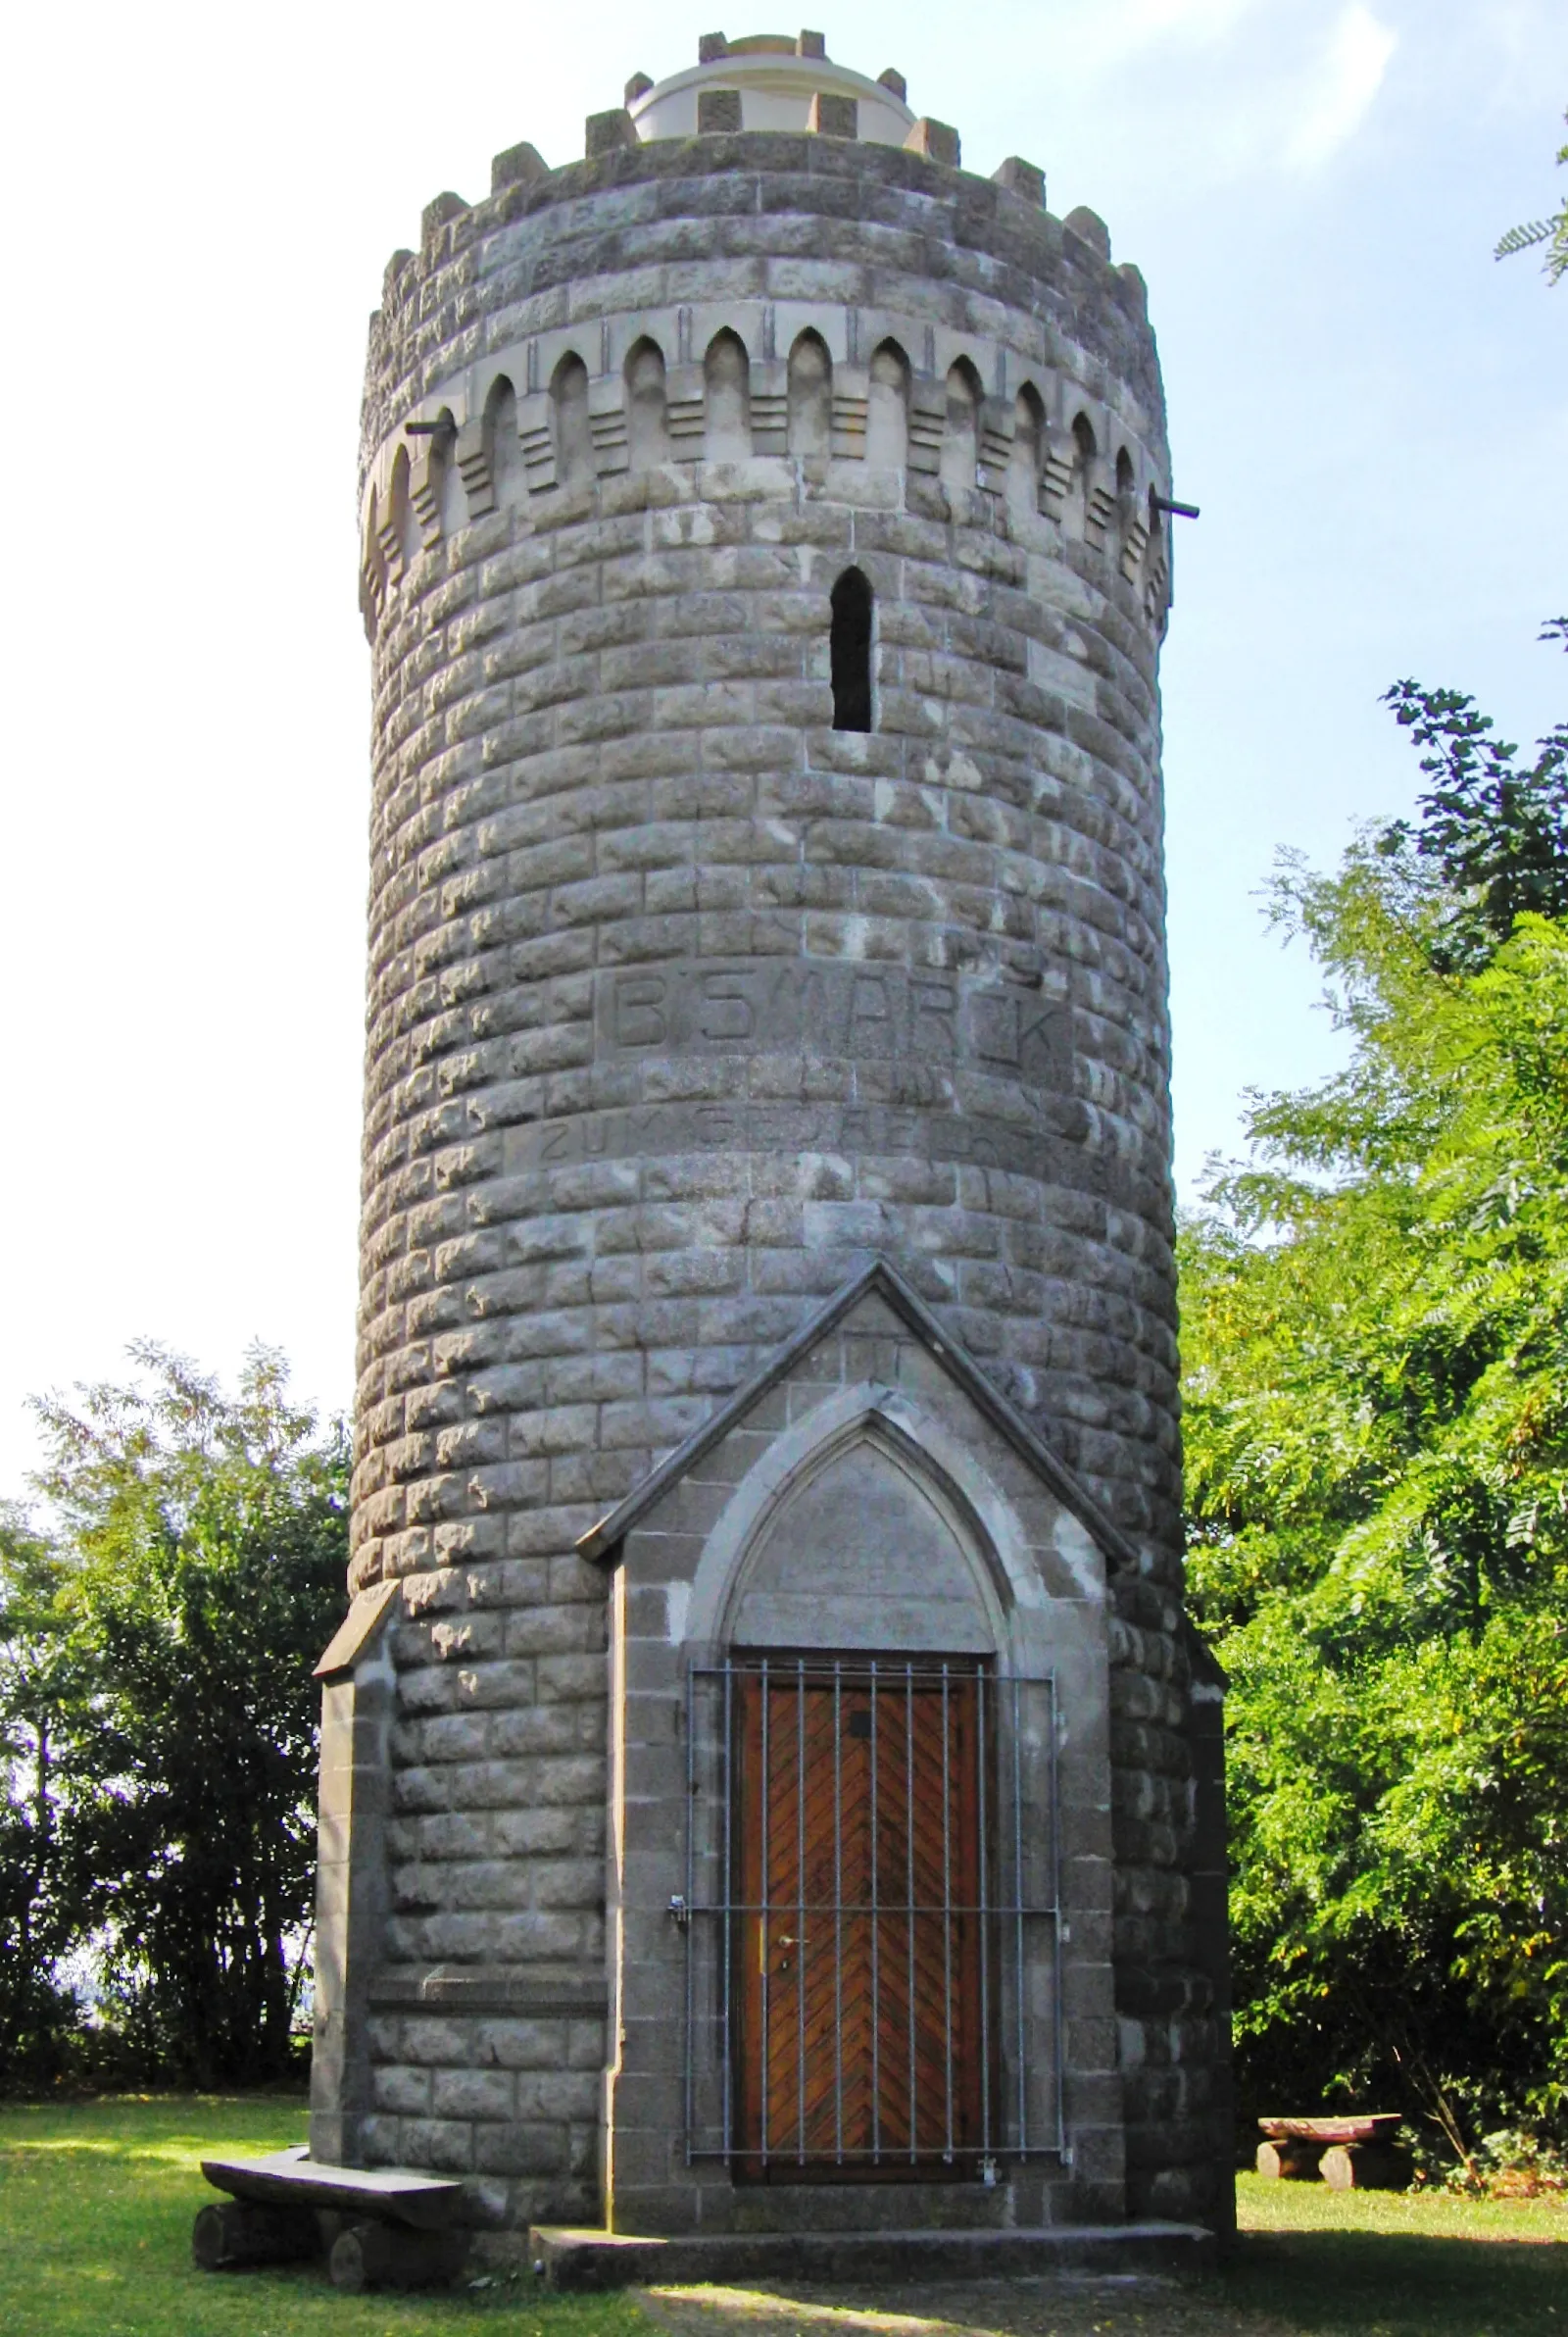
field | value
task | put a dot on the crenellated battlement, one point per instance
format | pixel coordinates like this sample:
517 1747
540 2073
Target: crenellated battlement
780 283
652 209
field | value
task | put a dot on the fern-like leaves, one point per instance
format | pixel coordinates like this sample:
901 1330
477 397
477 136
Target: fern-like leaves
1534 232
1522 240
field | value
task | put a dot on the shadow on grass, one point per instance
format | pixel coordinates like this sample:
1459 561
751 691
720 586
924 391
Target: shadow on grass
1378 2282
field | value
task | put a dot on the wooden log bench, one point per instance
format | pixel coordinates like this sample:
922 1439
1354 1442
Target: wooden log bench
1349 2154
377 2226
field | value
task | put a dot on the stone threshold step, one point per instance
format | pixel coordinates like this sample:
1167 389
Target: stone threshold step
599 2259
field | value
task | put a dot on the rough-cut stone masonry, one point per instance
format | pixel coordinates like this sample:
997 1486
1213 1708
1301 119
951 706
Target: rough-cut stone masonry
684 1005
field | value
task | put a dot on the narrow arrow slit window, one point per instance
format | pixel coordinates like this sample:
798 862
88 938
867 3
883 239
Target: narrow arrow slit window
851 643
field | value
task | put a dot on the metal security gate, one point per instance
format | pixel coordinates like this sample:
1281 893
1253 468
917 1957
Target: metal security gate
871 1917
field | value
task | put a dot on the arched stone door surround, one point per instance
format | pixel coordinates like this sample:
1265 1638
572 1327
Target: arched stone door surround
768 1538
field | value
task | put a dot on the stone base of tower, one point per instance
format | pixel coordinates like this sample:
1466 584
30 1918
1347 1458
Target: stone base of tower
848 1705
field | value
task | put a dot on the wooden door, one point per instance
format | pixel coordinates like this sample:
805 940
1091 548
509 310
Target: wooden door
861 1938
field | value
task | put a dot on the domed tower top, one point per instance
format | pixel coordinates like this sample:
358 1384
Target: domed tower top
770 80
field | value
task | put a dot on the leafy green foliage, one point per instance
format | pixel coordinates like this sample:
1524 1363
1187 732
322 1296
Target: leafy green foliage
1375 1321
1496 834
38 1917
156 1685
1553 232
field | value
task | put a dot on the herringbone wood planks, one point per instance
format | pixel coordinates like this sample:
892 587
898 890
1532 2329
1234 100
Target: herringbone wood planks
860 1856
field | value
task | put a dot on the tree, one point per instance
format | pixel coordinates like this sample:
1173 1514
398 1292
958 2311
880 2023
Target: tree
194 1572
1496 835
1375 1325
1553 232
38 1919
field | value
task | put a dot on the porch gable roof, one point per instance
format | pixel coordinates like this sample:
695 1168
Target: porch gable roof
882 1279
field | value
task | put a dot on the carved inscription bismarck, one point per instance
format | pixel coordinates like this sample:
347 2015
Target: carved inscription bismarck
942 1066
829 1008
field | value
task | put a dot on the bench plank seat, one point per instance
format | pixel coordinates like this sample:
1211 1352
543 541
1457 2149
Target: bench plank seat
1380 2125
387 2193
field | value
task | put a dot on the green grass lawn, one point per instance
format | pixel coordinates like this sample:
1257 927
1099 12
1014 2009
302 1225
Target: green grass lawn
1391 2263
96 2205
97 2198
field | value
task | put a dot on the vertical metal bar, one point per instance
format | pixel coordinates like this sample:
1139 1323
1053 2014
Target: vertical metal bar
876 1970
763 1897
1055 1928
837 1912
1017 1901
727 1807
691 1902
985 1940
799 1924
947 1913
909 1841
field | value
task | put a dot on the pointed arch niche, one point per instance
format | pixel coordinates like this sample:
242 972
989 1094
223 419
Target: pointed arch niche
726 373
810 396
887 429
866 1548
646 418
569 396
869 1525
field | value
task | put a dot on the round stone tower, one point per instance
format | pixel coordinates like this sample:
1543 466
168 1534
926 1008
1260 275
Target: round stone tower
767 1245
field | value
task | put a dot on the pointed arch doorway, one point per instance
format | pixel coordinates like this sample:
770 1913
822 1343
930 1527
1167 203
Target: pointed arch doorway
864 1936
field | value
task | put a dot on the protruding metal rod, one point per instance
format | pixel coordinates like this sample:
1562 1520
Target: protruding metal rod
1057 2042
947 1913
765 1940
838 1909
908 1846
985 1927
728 1820
1017 1900
690 1901
876 1967
799 1921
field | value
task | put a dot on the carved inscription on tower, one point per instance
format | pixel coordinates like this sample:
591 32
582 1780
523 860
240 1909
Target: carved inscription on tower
832 1008
822 1054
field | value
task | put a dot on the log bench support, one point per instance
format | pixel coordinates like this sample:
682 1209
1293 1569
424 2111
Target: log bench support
1350 2154
387 2255
1289 2161
1366 2166
241 2232
378 2228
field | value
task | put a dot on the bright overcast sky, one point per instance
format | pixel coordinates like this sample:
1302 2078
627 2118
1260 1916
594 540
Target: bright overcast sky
1373 416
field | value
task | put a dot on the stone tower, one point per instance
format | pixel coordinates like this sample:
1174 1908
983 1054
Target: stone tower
765 1749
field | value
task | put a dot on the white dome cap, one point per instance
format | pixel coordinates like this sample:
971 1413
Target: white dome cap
776 77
